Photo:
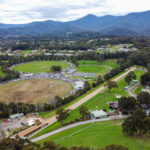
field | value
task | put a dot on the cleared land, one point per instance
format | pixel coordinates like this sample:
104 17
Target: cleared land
39 66
2 74
33 91
98 135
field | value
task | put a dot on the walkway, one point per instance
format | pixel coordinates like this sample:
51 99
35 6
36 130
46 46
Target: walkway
75 125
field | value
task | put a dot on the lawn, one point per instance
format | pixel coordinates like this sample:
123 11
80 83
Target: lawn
99 135
39 66
96 67
34 91
23 52
2 74
93 69
97 102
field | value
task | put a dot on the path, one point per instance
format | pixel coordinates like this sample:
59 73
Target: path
75 125
77 104
131 92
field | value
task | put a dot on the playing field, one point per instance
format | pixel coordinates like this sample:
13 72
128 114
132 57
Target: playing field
99 135
33 91
39 66
96 67
2 74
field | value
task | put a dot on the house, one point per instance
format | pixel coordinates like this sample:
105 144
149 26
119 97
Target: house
98 114
114 105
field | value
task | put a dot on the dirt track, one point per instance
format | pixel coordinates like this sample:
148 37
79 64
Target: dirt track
83 100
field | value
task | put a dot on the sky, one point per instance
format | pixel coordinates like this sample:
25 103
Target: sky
25 11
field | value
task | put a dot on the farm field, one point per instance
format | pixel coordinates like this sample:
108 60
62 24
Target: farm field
97 102
39 66
2 74
99 135
33 91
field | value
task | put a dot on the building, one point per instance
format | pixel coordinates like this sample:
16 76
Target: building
15 116
98 114
114 105
78 85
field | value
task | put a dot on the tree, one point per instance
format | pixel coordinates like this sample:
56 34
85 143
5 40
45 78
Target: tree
99 80
127 104
146 123
135 124
131 76
87 86
111 84
115 147
56 68
62 114
84 111
138 120
148 67
145 79
129 127
144 99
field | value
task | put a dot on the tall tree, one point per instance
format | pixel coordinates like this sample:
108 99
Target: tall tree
111 84
84 111
127 104
62 115
144 99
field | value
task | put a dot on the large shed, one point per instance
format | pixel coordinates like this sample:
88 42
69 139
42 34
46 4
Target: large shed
98 114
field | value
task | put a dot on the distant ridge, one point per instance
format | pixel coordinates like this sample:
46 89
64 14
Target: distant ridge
131 24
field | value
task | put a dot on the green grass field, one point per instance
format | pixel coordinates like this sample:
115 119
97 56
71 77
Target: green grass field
2 74
97 102
39 66
99 135
96 67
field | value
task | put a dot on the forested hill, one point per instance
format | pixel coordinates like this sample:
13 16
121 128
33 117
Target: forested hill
131 24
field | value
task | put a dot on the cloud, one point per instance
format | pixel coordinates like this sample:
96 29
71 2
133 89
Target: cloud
24 11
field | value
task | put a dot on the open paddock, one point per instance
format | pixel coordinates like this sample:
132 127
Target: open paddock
34 91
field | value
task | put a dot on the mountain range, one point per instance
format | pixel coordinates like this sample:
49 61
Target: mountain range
131 24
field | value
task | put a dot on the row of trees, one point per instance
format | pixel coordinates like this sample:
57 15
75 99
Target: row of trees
12 108
20 144
9 74
139 120
137 124
128 104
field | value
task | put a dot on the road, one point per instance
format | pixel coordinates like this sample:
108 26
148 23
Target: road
75 125
80 102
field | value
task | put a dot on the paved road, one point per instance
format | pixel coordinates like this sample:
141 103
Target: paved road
86 98
75 125
130 90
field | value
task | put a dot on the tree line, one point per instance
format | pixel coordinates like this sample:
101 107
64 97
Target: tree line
21 144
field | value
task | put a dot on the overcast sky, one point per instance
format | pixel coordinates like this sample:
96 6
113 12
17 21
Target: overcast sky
25 11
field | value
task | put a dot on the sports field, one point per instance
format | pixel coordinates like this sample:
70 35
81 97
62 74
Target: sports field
2 74
39 66
99 135
33 91
96 67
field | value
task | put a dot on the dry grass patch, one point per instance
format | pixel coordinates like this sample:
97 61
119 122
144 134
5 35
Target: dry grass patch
33 91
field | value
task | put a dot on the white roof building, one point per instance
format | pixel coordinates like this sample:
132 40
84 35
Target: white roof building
78 85
98 114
